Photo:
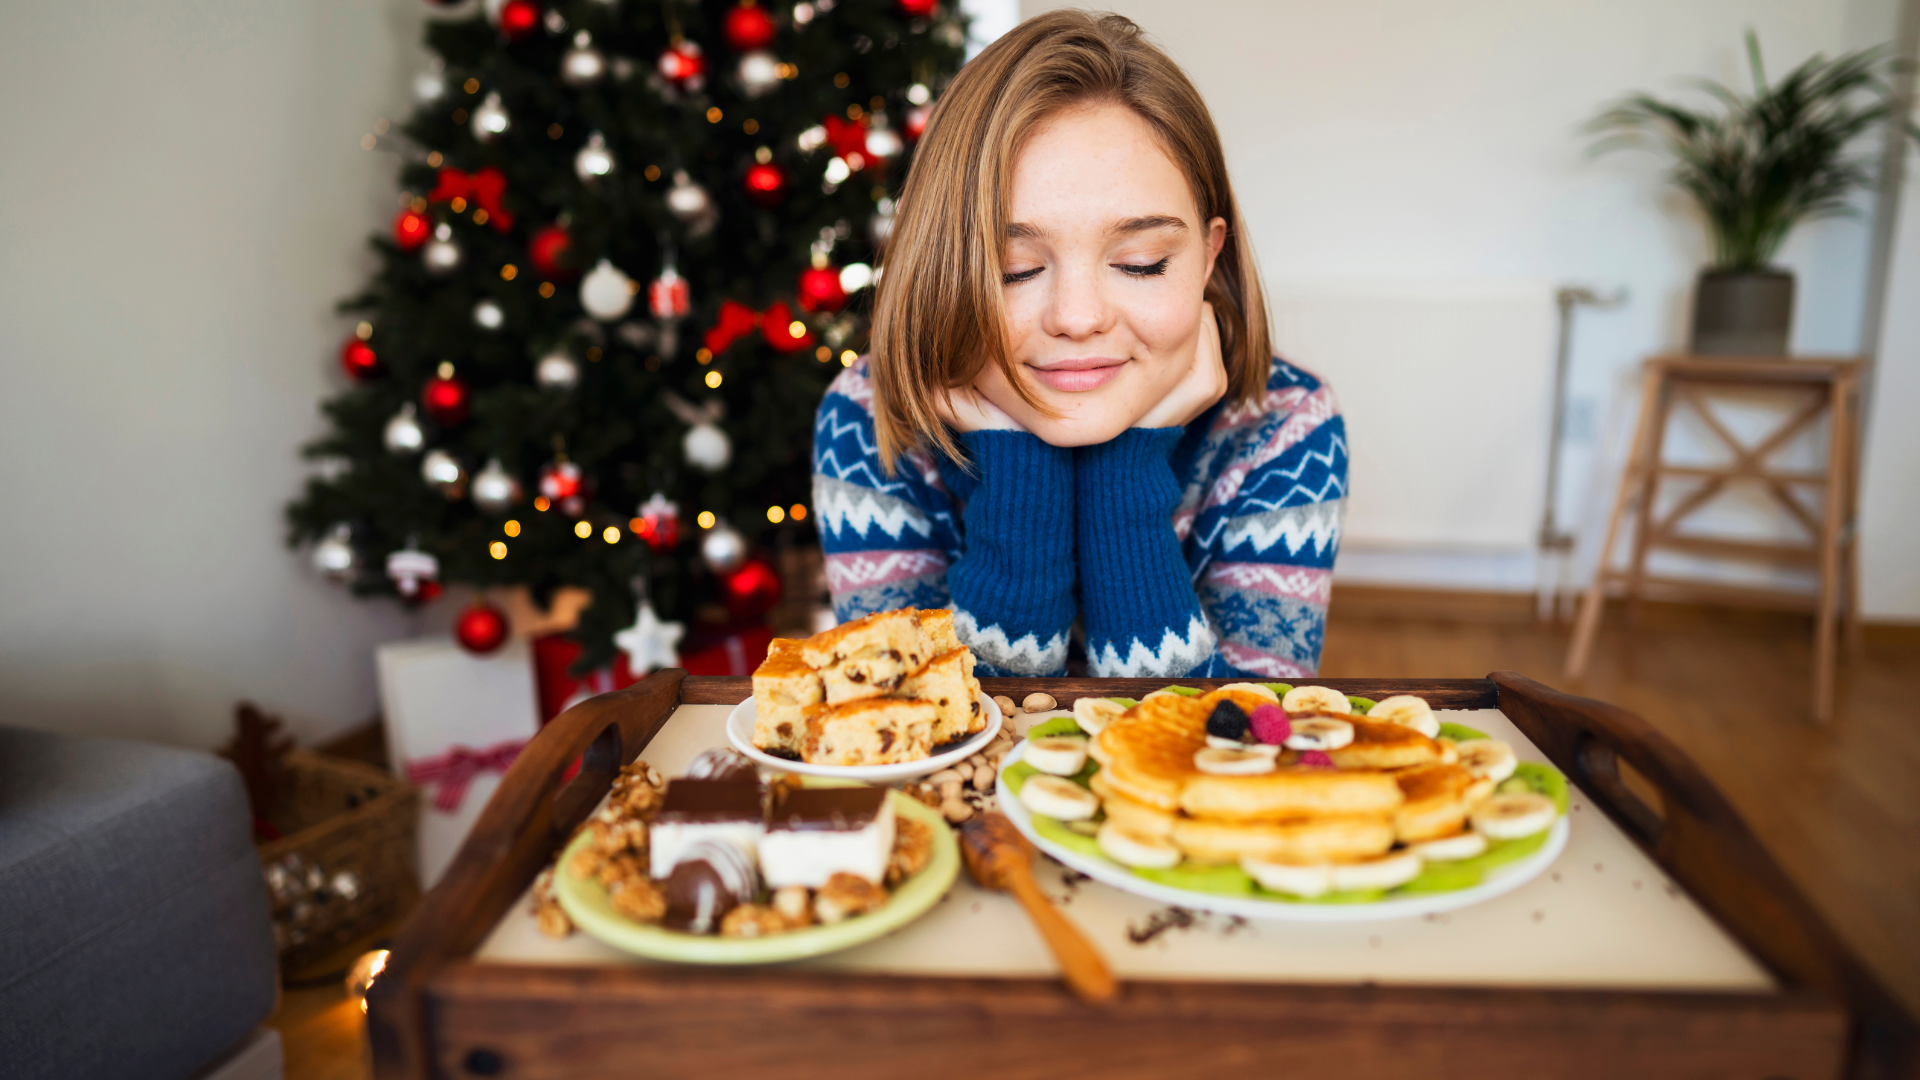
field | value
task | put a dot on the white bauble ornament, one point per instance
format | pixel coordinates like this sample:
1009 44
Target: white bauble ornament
649 643
882 142
488 315
494 489
880 226
707 447
687 200
333 555
854 277
758 72
404 434
582 65
557 371
490 118
429 86
441 256
443 473
606 293
723 549
594 159
409 567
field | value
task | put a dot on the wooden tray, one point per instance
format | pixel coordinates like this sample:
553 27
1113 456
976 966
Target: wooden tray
440 1011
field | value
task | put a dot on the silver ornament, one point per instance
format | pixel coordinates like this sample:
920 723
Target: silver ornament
429 86
880 226
409 567
488 315
606 292
758 72
443 473
707 447
441 256
494 489
490 118
404 434
687 200
854 277
882 142
582 65
557 371
594 159
334 555
723 549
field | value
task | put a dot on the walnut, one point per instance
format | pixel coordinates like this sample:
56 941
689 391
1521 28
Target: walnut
640 900
752 920
795 905
845 896
912 847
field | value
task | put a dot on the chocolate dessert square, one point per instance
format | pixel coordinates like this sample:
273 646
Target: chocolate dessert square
727 811
817 832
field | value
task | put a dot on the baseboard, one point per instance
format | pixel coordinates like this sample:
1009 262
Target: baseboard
1426 604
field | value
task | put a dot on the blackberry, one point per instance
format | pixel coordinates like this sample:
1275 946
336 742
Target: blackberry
1227 721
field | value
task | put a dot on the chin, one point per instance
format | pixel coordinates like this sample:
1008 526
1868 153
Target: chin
1080 423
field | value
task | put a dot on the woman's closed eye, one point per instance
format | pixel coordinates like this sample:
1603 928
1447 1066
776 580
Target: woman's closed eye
1015 277
1148 270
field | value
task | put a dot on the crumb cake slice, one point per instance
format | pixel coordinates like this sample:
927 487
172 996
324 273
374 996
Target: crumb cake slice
937 636
866 657
947 681
871 731
783 687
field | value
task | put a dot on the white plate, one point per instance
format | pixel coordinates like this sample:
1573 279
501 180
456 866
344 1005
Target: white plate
1499 880
740 734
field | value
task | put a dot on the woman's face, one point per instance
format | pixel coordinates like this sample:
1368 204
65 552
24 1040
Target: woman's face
1106 267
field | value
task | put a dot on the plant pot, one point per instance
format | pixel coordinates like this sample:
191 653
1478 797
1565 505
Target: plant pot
1742 313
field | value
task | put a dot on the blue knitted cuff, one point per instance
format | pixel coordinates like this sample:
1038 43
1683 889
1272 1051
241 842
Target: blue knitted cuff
1014 578
1134 578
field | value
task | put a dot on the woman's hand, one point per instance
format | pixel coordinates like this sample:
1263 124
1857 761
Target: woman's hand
966 409
1203 385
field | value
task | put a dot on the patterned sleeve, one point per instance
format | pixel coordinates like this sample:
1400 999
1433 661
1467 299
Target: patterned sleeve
1265 530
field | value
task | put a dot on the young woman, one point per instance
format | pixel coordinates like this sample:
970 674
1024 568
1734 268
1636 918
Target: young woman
1070 407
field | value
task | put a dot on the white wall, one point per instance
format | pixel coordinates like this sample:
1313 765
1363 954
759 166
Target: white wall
182 199
1378 140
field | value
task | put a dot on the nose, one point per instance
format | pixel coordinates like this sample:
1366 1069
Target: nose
1077 306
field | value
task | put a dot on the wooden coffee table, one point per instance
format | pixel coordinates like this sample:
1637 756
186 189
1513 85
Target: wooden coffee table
1666 942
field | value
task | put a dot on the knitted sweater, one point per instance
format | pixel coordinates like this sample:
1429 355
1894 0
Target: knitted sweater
1197 551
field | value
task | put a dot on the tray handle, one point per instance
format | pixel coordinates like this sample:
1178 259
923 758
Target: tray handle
529 811
1698 837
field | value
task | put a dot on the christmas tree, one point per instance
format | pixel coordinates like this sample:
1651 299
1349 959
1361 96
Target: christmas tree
629 256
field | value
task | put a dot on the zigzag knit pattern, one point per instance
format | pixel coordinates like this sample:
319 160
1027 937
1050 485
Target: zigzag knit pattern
1036 544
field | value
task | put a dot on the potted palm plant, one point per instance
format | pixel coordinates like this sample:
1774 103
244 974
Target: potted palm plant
1758 165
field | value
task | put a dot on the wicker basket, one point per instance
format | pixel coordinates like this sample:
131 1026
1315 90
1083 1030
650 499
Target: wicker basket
345 861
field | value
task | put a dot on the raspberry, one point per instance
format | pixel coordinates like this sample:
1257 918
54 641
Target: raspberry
1316 759
1227 721
1271 725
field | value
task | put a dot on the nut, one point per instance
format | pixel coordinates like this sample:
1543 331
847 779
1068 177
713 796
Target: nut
1006 705
949 791
983 779
1039 702
944 776
956 811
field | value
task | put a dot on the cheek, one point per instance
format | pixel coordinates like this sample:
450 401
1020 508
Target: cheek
1165 322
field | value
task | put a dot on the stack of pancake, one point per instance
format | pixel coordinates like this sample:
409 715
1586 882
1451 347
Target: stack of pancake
1391 784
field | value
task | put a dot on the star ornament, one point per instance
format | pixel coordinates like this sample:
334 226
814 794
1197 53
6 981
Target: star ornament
649 643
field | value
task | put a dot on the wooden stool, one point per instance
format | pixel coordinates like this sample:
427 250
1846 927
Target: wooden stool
1830 385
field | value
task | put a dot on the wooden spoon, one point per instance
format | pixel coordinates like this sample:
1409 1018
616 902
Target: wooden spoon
999 858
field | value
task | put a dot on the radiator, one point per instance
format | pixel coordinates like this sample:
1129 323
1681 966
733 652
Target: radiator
1446 388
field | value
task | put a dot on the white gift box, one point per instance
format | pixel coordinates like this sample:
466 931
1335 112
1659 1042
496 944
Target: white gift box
457 719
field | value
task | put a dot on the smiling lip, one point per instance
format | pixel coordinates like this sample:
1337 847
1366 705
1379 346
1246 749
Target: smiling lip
1077 374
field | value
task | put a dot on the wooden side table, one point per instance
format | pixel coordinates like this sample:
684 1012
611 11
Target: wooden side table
1826 386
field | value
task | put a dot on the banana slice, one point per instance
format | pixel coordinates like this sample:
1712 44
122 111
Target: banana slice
1222 762
1489 758
1302 881
1061 755
1224 743
1319 733
1093 714
1060 798
1384 872
1510 816
1310 699
1129 848
1461 845
1254 688
1407 711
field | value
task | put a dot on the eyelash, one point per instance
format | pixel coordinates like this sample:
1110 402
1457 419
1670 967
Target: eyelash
1149 270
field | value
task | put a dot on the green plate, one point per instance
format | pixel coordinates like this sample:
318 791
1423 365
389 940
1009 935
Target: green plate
587 904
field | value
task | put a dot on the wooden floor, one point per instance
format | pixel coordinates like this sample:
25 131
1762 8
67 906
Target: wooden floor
1839 806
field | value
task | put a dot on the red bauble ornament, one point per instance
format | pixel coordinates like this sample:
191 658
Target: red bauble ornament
481 628
766 184
411 229
820 289
752 591
658 523
518 18
918 8
358 361
776 325
565 485
916 124
684 65
444 399
669 296
749 27
548 250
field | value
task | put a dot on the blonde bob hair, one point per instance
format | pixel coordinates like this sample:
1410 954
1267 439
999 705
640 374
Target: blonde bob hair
938 319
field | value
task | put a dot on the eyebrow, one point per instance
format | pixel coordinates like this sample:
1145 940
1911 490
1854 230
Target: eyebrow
1020 230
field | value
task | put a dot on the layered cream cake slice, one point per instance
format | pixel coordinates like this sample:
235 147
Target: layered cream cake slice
866 657
947 682
724 811
871 731
816 833
783 687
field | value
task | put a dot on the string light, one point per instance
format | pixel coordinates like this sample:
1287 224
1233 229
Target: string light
509 272
497 549
796 328
611 535
798 512
434 158
363 331
703 355
471 86
540 502
776 515
511 528
848 357
653 172
713 380
546 290
713 114
823 354
582 530
458 205
705 519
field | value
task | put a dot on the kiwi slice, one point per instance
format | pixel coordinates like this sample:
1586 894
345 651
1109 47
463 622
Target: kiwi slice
1460 732
1059 725
1057 831
1183 691
1360 705
1540 779
1217 880
1279 688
